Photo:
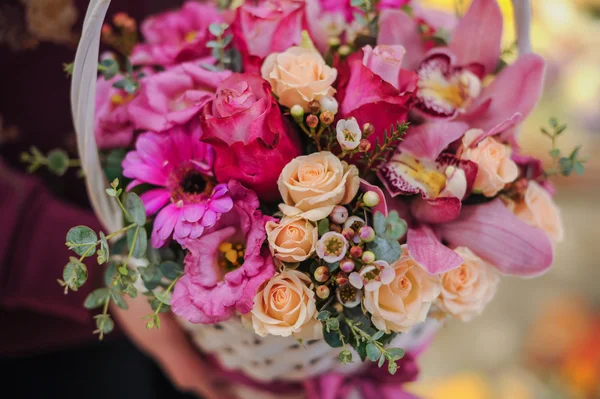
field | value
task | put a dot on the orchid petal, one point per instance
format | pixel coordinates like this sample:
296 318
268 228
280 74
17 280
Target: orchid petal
478 35
494 233
440 210
397 27
429 140
428 251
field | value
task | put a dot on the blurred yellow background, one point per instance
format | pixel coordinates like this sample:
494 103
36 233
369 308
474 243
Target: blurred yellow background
540 338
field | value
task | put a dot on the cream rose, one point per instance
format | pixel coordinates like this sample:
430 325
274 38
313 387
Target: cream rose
496 168
286 306
404 302
312 185
298 76
292 239
539 210
469 288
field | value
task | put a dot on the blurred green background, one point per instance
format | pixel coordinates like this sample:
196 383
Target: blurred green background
540 338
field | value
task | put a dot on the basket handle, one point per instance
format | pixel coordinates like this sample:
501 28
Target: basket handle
83 95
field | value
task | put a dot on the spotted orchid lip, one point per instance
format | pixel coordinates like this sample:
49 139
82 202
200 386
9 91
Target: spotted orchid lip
445 90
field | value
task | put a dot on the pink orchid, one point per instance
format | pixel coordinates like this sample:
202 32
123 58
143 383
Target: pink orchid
176 36
420 165
226 266
187 201
113 126
174 97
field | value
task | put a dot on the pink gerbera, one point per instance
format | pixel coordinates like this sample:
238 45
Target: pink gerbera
188 199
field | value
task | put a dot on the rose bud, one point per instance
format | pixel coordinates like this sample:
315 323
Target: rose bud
297 113
312 121
326 118
322 274
348 233
314 106
368 129
356 251
339 214
347 265
367 234
323 291
329 104
335 227
371 199
364 145
368 257
341 279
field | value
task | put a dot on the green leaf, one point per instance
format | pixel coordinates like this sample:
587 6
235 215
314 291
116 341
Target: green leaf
213 44
216 29
333 324
58 161
112 166
554 153
373 352
96 298
323 315
153 255
163 297
170 269
155 303
396 353
392 368
82 240
381 361
579 168
345 356
226 40
118 299
131 291
332 338
109 68
135 207
75 274
395 226
104 323
104 252
379 224
323 226
378 335
151 276
110 272
141 241
387 250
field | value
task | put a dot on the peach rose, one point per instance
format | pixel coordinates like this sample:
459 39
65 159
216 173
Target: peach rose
404 302
298 76
285 306
312 185
539 210
496 168
469 288
292 239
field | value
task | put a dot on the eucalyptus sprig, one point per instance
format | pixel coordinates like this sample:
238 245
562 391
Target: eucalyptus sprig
563 165
219 46
391 138
367 15
57 161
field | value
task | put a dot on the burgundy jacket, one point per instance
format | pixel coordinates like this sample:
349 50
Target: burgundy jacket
36 211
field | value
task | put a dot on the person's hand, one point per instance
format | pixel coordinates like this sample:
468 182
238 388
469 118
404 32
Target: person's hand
172 350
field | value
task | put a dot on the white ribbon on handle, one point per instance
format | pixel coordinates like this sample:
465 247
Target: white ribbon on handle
83 103
83 94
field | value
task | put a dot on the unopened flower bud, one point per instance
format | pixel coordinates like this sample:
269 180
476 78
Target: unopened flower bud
364 145
297 113
323 291
338 307
368 257
106 30
312 121
330 104
339 214
371 199
335 227
322 274
314 107
347 265
368 129
341 278
334 41
356 251
367 234
344 50
326 117
348 233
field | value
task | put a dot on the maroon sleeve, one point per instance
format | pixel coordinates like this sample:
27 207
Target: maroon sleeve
32 256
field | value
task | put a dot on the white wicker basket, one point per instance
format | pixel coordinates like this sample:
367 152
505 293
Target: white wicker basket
264 359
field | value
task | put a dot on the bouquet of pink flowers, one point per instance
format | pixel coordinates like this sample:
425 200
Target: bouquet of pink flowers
337 170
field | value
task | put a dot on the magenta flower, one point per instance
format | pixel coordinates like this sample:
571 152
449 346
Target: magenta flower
176 36
113 126
174 97
226 266
181 166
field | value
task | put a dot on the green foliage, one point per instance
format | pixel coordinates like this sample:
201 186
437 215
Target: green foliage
82 240
74 275
118 299
563 165
136 213
112 164
96 298
57 161
323 226
108 68
218 47
137 240
104 251
391 138
171 270
385 249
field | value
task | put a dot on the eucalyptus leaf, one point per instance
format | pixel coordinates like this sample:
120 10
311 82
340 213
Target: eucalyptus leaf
396 353
323 225
118 299
216 29
384 249
381 361
135 208
151 276
378 335
163 297
373 352
140 237
131 291
323 315
96 298
379 224
333 324
104 323
104 252
82 240
332 338
155 303
170 269
75 274
109 68
58 161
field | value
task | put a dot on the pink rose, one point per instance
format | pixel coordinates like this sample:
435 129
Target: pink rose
252 140
174 97
265 27
226 266
176 36
539 210
113 125
370 97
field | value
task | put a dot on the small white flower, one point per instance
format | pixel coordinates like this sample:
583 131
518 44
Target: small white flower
371 277
348 133
330 104
332 247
